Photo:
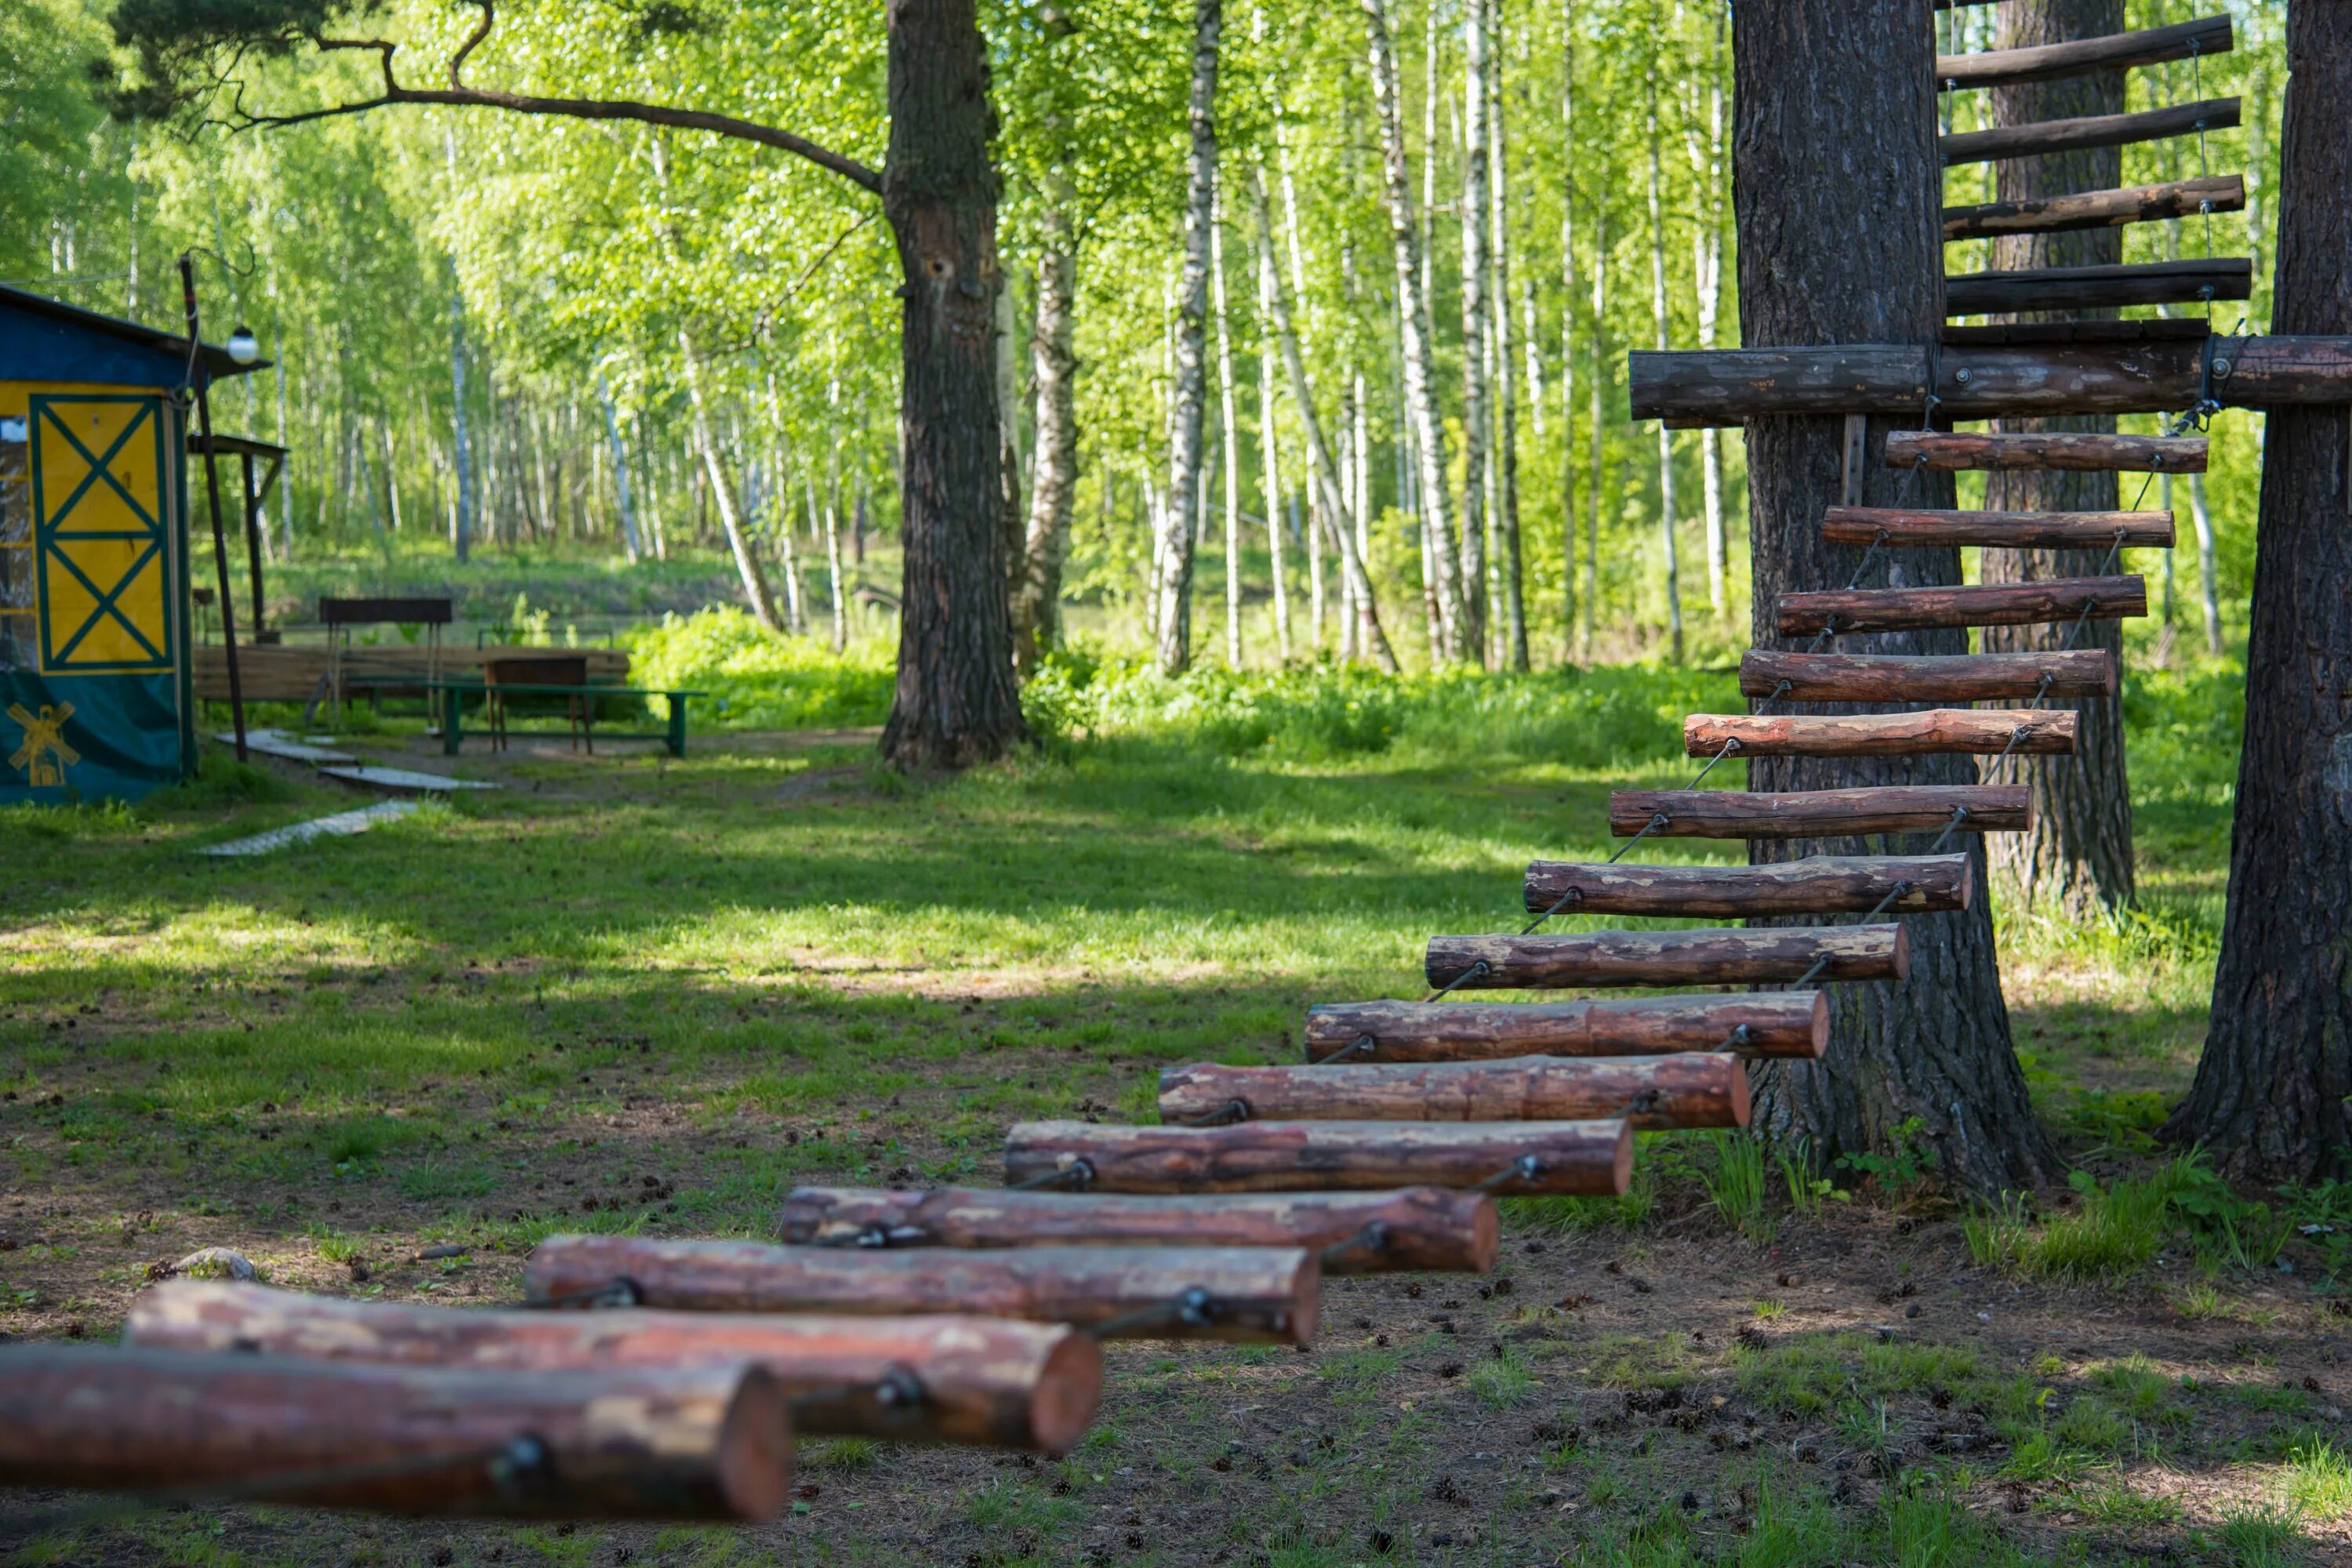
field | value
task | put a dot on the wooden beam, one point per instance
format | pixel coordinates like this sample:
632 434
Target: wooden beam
2049 599
1934 731
1253 1293
1821 812
1925 677
1816 885
2080 57
1999 292
1949 450
1695 1088
700 1443
1356 1233
1722 383
2041 137
2004 529
1577 1159
987 1381
1708 955
2097 209
1763 1024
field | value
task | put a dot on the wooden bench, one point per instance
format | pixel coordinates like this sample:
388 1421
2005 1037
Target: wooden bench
448 700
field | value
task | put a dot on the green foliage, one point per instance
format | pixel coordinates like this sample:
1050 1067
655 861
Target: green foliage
1900 1169
2319 1480
757 680
1735 1184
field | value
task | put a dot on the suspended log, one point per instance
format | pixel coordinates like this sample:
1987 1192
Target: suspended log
1763 1024
1891 526
1709 955
1817 885
2003 292
1953 449
1925 677
1797 381
1585 1159
1821 812
2041 137
1248 1293
2206 36
1962 605
986 1380
695 1443
1936 730
2168 331
1696 1089
1356 1233
2097 209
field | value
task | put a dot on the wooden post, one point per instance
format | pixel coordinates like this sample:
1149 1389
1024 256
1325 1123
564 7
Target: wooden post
1587 1159
1762 1024
1816 885
1821 812
1707 955
1694 1088
1882 734
1925 677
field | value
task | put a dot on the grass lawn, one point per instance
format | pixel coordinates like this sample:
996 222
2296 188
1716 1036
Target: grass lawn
774 962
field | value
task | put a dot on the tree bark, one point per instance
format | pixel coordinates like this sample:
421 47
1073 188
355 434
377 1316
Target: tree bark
1704 955
1477 291
1857 259
1228 397
1269 447
1575 1159
1689 1088
1667 522
1514 638
2273 1099
1175 591
1762 1024
1054 476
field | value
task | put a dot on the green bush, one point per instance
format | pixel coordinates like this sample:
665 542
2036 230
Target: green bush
757 679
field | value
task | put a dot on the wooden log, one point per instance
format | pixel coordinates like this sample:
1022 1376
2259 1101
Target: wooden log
2273 371
1962 605
1949 450
2041 137
1925 677
1585 1159
1821 812
1816 885
2003 292
1708 955
697 1443
987 1381
1829 380
1892 527
1249 1294
1356 1233
2205 36
2097 209
1933 730
1694 1088
1762 1024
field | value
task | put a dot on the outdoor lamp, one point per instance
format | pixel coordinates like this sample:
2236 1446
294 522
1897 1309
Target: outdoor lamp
243 346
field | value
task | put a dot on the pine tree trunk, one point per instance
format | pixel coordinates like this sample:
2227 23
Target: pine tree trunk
2273 1099
2077 860
723 490
1053 489
1184 468
1477 284
1507 399
1858 260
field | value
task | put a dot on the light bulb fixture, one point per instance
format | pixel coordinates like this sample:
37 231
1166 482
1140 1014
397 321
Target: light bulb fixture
243 346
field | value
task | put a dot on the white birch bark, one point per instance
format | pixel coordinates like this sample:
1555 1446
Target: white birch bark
1175 575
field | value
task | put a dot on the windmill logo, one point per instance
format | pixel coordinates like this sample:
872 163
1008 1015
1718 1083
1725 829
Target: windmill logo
44 756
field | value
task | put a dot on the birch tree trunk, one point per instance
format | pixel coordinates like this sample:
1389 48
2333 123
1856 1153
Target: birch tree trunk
832 558
1707 259
1600 397
1175 589
1269 448
467 522
1053 489
1477 281
1506 412
629 538
1228 407
1567 342
1667 518
723 490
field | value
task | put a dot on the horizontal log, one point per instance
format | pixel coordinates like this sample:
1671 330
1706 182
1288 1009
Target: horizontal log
1950 450
1893 526
1962 605
2097 209
1356 1233
1708 955
1923 733
1799 381
2205 36
1585 1159
2039 138
1249 1293
1817 885
1696 1089
697 1443
1926 678
1998 291
1821 812
988 1380
2063 333
1762 1024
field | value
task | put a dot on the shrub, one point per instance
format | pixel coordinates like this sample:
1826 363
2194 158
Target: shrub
755 679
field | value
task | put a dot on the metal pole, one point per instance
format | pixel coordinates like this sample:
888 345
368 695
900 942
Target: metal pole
200 379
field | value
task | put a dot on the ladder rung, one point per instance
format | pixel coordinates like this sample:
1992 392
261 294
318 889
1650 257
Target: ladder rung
1935 730
2073 451
2045 136
2004 529
1962 605
1709 955
2081 56
1925 677
1815 885
1997 293
2097 209
1820 813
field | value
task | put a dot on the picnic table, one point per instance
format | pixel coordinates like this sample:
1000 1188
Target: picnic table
448 700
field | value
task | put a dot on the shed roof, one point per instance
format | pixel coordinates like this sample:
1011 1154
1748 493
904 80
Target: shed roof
47 339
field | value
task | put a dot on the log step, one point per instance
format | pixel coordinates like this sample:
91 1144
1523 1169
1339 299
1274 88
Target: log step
2041 137
1699 1088
1932 731
1816 885
1762 1024
1708 955
1821 812
1962 605
1577 1159
1356 1233
1998 291
1925 677
1893 526
1949 451
990 1380
2097 209
1253 1294
2205 36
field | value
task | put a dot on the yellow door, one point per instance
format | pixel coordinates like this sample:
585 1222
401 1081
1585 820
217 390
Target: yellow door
100 543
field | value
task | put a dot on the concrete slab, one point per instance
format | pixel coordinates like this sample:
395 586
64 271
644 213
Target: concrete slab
343 825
